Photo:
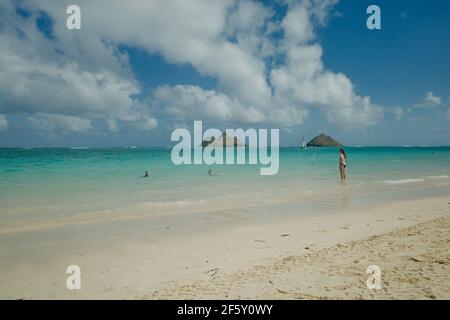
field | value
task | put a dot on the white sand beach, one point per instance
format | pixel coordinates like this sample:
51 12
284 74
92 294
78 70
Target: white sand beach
323 256
224 149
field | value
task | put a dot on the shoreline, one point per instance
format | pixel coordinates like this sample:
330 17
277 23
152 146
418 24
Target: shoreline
145 210
126 261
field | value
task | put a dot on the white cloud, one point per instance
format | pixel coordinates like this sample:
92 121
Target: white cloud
82 75
181 31
45 87
249 22
146 124
3 123
303 81
35 78
320 9
55 123
192 102
297 26
186 102
362 113
398 113
430 100
64 89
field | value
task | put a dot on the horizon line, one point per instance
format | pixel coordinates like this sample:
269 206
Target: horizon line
168 147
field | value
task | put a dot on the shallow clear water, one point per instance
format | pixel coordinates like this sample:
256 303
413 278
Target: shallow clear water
38 185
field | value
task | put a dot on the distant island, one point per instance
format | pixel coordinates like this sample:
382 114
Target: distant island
223 141
323 140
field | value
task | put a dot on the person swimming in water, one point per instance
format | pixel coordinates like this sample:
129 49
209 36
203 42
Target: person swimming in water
146 175
342 163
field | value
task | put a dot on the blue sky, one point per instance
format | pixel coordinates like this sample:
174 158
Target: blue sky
133 74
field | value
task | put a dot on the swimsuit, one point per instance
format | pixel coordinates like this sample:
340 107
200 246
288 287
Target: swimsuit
342 161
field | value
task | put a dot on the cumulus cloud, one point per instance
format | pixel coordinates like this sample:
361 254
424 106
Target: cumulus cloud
430 100
192 102
63 89
268 68
146 124
187 102
55 123
53 86
181 31
299 83
297 26
398 113
304 81
249 22
361 113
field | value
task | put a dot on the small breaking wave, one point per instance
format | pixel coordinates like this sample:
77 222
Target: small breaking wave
444 176
403 181
415 180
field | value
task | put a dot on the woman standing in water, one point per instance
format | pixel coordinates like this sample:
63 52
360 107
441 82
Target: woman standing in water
342 164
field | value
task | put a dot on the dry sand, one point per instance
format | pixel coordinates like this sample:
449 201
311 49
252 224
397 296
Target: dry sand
414 263
309 257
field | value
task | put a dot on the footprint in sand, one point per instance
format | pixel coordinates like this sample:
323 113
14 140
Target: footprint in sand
212 272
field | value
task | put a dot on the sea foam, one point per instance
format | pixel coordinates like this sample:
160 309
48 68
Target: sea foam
403 181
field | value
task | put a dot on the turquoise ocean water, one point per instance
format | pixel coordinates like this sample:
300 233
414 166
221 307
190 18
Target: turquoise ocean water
38 185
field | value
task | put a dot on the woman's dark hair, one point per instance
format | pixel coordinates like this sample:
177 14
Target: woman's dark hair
343 152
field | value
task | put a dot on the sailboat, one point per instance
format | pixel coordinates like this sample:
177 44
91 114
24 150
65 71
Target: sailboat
303 145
